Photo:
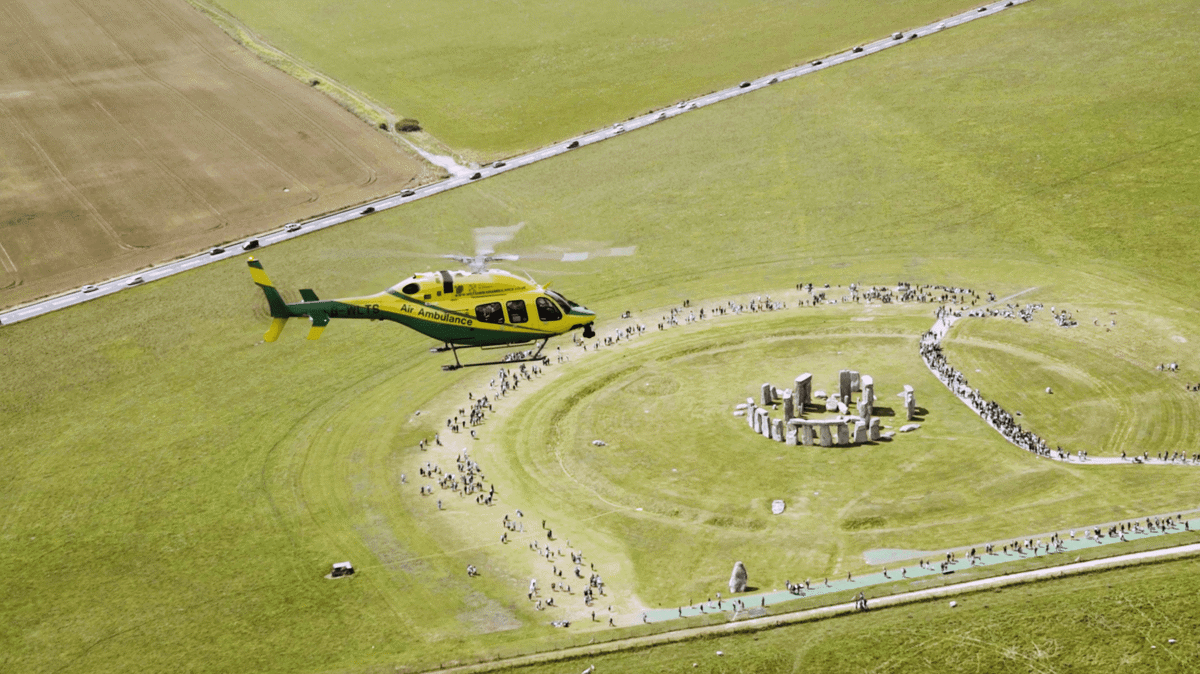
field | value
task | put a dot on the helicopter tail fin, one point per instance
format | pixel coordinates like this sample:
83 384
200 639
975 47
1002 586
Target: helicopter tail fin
279 308
276 328
319 321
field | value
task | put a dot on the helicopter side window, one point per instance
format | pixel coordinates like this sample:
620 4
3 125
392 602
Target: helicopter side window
489 313
517 313
547 311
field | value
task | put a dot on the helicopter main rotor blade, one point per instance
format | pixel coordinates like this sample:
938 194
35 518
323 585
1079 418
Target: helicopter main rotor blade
486 238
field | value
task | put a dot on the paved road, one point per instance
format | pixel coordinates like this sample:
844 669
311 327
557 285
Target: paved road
109 287
824 612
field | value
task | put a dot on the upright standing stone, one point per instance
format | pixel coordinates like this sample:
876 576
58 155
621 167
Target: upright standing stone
863 408
806 435
826 438
844 385
843 433
777 430
767 399
802 392
739 578
873 428
855 381
752 416
860 433
764 423
789 410
910 402
793 437
831 404
868 389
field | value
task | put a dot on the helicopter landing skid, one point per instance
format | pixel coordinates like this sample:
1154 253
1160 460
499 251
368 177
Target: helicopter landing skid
512 358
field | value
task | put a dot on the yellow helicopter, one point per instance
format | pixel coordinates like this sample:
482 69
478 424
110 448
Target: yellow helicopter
481 308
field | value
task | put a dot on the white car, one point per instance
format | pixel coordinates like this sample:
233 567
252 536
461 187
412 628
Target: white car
90 289
134 281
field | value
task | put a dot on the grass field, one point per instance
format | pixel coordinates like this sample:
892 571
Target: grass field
174 489
492 80
1116 621
132 142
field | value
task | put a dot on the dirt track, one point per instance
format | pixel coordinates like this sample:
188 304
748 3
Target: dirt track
136 131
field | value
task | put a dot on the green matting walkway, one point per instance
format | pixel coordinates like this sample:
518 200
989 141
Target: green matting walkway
750 602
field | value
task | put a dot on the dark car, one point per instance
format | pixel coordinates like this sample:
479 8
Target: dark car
476 176
743 85
216 251
574 144
250 245
407 193
368 210
858 50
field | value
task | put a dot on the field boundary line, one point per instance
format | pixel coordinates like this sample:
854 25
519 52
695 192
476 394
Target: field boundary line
276 58
837 610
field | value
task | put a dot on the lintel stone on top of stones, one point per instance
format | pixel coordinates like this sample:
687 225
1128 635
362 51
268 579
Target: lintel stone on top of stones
845 430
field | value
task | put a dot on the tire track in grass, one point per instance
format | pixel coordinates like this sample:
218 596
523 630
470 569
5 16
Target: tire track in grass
49 162
195 107
371 175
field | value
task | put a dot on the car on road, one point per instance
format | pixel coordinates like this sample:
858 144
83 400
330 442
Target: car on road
407 193
90 289
618 128
368 210
216 251
498 164
292 227
135 280
816 63
574 144
743 85
858 50
476 175
250 245
662 115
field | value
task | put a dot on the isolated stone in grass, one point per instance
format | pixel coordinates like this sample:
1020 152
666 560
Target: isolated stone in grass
739 577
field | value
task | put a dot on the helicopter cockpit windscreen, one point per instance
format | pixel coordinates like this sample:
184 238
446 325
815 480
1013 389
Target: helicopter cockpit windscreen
563 302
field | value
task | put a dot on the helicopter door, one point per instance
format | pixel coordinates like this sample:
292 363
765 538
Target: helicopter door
517 313
547 311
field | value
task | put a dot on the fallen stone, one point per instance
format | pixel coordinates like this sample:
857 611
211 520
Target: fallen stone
909 427
599 443
739 413
777 506
820 394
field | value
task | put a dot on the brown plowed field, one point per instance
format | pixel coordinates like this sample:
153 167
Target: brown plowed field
134 131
